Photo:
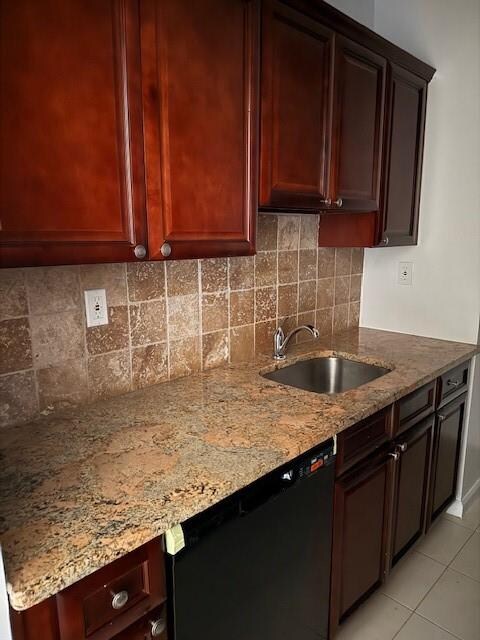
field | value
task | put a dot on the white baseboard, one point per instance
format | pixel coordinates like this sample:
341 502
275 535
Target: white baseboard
471 492
458 506
456 509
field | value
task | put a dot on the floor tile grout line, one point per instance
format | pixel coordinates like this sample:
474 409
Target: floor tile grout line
438 626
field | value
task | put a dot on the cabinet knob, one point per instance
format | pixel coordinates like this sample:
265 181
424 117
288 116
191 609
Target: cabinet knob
395 455
157 627
140 251
120 599
338 202
327 201
165 249
453 383
403 447
385 241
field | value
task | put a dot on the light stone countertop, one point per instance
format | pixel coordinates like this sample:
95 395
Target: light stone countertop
81 488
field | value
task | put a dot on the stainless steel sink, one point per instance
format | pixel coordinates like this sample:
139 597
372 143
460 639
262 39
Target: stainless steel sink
327 375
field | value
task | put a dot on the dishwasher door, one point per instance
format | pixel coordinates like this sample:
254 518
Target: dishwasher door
262 575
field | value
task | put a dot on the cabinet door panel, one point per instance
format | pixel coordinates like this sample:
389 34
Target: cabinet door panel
71 167
361 523
448 436
404 153
411 492
200 77
358 126
296 71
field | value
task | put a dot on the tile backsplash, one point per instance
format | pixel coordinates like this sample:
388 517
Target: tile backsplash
166 319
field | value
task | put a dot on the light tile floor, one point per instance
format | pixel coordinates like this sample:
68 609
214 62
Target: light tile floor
434 591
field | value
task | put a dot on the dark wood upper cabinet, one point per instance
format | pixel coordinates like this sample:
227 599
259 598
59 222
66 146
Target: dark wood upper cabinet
200 81
71 168
358 121
407 95
295 114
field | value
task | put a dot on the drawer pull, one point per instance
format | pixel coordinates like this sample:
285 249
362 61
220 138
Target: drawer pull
453 383
120 599
395 455
157 627
403 447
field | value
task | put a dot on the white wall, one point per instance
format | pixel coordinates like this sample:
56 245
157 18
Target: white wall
444 301
4 616
361 10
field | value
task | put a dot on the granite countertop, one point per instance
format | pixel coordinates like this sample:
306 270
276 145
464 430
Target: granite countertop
83 487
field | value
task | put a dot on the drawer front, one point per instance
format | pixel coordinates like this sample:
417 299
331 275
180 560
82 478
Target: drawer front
359 441
453 383
412 408
113 598
152 626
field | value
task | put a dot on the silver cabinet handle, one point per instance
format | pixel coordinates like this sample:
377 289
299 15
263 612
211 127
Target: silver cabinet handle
403 447
165 249
395 455
120 599
453 383
338 202
327 201
441 416
140 251
385 241
157 627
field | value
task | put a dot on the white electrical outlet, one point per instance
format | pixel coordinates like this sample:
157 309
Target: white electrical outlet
405 273
96 307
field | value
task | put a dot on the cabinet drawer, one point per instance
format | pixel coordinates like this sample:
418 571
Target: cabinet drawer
359 441
417 405
111 599
153 626
453 383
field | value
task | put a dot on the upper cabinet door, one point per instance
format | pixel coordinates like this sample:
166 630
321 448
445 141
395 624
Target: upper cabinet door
403 158
70 132
296 89
358 108
200 82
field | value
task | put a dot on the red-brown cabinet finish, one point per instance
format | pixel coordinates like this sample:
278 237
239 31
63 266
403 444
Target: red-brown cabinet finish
295 112
71 168
200 82
360 534
407 95
358 121
412 472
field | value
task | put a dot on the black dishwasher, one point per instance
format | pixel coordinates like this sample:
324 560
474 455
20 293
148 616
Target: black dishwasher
257 566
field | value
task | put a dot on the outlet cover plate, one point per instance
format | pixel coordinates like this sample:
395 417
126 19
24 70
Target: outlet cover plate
405 273
96 307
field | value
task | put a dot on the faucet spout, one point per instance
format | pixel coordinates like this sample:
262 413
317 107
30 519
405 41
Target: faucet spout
280 342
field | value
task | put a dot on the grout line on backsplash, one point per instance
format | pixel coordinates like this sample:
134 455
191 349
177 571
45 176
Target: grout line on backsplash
129 325
167 316
29 311
200 312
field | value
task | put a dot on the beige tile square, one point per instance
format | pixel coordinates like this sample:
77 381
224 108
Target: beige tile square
355 288
379 618
185 357
288 232
111 277
264 336
215 349
242 305
307 296
326 262
471 515
148 322
417 628
412 578
454 605
62 386
57 338
342 290
309 231
307 266
214 311
183 317
214 274
109 337
265 304
53 289
242 344
308 317
287 300
325 289
241 272
287 323
324 321
149 365
340 318
343 262
354 314
357 261
444 541
468 559
287 267
13 295
182 277
18 398
267 229
146 281
15 345
109 374
266 269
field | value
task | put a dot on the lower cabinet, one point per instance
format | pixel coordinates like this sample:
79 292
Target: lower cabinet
361 514
446 453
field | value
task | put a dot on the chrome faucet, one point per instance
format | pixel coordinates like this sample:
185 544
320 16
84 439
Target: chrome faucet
280 342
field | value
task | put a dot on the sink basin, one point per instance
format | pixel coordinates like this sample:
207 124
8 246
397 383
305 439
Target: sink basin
327 375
